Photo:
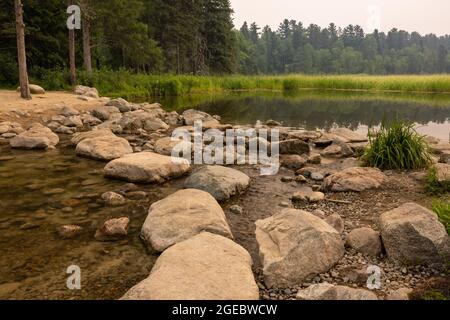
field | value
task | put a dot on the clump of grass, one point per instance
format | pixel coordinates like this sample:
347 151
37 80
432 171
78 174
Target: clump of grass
397 146
442 209
433 185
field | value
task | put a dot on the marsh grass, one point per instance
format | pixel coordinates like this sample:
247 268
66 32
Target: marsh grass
442 209
126 84
398 146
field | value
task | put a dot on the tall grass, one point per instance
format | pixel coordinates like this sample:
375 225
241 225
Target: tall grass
126 84
397 145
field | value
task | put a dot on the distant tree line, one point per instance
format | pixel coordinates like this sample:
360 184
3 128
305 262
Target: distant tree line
294 48
198 37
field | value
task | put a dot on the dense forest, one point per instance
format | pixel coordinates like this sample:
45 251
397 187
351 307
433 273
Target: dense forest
198 37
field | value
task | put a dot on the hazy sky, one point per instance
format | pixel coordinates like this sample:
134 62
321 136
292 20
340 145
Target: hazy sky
424 16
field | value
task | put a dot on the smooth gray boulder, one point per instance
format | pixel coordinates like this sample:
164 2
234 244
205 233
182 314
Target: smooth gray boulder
205 267
414 235
221 182
104 148
146 167
295 246
181 216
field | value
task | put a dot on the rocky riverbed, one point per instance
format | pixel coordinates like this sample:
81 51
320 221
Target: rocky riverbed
95 187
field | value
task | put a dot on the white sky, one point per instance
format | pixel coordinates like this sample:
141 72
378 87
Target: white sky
424 16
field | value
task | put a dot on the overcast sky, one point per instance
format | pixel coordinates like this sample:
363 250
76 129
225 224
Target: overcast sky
424 16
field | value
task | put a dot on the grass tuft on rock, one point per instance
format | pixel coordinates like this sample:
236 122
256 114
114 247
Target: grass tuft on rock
397 146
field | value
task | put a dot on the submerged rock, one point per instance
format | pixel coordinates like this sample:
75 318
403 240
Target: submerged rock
113 229
113 199
146 167
414 235
221 182
69 231
205 267
181 216
295 245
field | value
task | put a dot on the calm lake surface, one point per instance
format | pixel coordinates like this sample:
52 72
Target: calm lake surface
325 109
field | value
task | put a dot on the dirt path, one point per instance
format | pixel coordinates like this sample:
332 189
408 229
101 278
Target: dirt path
14 108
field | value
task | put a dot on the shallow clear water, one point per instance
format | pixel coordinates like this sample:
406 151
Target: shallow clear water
40 191
326 109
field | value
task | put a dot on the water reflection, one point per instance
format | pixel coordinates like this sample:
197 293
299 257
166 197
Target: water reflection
325 110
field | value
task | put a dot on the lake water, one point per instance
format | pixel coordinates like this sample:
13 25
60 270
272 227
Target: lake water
325 109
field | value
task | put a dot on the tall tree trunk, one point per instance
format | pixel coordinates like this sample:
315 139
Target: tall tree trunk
22 57
73 68
87 46
72 64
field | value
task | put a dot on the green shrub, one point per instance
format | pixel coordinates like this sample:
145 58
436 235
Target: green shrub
442 208
397 146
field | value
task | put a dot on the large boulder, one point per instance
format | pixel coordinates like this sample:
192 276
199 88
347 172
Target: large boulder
354 179
413 235
104 148
325 291
365 240
34 89
295 246
181 216
146 167
36 137
205 267
221 182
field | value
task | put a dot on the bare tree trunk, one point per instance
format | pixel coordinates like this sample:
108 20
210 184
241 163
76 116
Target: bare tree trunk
73 68
21 53
87 46
72 64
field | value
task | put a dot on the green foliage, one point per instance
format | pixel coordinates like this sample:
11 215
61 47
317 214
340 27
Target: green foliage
442 208
433 186
397 145
434 296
